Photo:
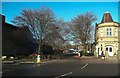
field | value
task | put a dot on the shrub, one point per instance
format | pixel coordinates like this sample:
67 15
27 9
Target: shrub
33 57
115 53
48 57
11 58
53 57
85 54
22 57
81 53
30 56
4 57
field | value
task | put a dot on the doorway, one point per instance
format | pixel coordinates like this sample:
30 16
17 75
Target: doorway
110 50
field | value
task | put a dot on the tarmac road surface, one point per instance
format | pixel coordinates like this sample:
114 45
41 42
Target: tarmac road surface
61 68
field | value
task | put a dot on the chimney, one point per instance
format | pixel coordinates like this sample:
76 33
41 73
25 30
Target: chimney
107 17
96 26
2 17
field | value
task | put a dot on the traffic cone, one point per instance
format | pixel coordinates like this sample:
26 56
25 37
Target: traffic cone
78 54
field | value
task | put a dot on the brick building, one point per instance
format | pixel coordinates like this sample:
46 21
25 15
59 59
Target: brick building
16 40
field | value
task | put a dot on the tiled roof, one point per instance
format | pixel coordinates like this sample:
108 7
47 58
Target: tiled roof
107 17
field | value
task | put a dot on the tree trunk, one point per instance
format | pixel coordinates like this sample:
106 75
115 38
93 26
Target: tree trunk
39 49
84 48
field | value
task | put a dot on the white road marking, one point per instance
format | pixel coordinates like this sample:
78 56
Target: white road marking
16 64
38 65
34 65
63 75
6 70
84 66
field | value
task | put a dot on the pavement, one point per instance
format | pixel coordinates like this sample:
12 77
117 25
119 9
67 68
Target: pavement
27 61
93 59
83 59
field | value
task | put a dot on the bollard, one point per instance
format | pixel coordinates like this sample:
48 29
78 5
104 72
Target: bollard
38 58
78 54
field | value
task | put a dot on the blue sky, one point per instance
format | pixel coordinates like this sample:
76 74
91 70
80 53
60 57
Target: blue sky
66 10
60 0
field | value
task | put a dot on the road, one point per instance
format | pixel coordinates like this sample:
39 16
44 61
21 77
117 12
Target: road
62 68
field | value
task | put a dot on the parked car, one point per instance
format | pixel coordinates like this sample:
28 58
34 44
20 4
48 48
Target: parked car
35 54
75 52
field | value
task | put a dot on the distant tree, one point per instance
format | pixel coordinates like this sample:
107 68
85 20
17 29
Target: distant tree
39 22
59 35
54 38
64 32
81 27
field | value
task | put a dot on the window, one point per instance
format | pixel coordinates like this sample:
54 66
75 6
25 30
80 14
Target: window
116 47
115 32
106 48
101 32
109 31
110 49
101 47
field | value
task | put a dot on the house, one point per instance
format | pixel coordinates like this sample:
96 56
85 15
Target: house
93 48
16 40
106 36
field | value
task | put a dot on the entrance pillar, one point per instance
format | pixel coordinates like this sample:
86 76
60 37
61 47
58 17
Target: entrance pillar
118 54
106 54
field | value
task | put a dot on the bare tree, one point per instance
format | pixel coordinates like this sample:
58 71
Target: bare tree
81 27
39 22
64 29
64 32
54 38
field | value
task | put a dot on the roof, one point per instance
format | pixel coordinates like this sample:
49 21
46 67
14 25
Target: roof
107 17
107 22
